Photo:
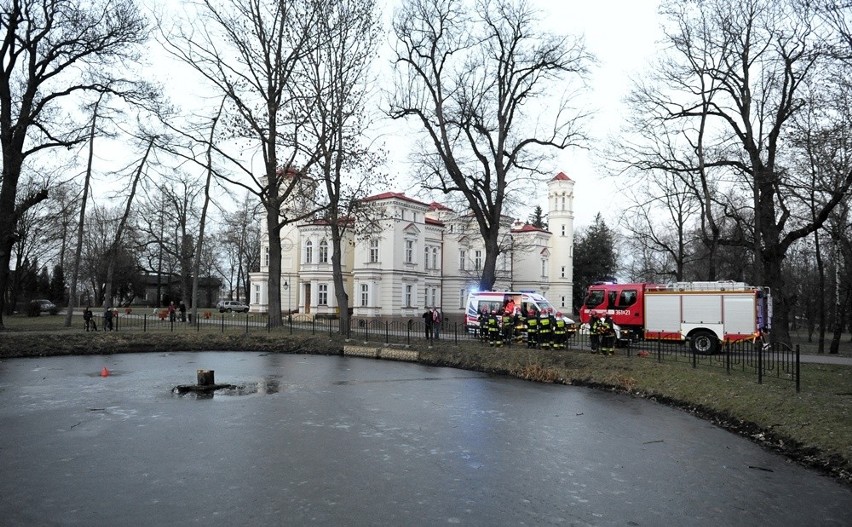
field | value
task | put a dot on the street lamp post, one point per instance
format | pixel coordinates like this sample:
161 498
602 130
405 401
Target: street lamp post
287 290
289 298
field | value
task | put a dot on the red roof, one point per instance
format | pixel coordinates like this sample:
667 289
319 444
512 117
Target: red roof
394 195
438 206
431 221
526 227
561 177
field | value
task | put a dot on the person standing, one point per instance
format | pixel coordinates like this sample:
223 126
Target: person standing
89 320
172 311
108 319
483 325
594 333
608 336
544 330
559 341
532 329
182 309
494 336
427 323
436 323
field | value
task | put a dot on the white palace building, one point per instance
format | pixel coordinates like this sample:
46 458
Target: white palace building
419 255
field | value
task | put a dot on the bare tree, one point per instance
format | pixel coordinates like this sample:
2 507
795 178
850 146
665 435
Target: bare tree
99 254
116 243
738 81
334 84
240 241
477 80
248 52
660 224
45 46
78 250
202 221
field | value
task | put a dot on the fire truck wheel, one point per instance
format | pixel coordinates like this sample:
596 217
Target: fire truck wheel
704 342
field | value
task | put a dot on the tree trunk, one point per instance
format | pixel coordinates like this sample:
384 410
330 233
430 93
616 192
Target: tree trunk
340 294
78 251
821 304
489 267
196 268
274 279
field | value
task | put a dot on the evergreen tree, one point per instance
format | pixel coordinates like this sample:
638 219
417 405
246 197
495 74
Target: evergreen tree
28 282
43 283
537 218
594 257
57 286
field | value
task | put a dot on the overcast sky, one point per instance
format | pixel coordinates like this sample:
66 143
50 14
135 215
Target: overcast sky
622 34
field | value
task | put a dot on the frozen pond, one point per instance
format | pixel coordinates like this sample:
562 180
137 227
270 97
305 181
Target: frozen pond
347 441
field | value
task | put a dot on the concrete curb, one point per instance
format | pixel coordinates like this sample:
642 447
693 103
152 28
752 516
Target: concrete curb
389 353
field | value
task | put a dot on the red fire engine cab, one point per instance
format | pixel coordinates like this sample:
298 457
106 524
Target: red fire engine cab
703 314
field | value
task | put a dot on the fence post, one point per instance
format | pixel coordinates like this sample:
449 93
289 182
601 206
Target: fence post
728 358
247 322
144 322
759 364
222 316
172 325
387 332
456 332
798 386
694 358
659 352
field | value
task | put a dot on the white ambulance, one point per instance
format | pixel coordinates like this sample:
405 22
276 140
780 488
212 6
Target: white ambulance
498 300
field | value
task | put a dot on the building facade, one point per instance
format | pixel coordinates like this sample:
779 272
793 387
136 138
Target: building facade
412 255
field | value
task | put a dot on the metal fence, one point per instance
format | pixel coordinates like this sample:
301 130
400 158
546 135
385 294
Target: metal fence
751 357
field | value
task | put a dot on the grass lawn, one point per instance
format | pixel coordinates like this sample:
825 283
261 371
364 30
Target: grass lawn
812 427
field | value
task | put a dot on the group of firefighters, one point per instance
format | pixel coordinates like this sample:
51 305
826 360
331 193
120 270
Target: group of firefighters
546 330
540 329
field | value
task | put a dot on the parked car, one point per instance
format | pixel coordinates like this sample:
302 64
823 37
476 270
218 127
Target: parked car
46 306
232 305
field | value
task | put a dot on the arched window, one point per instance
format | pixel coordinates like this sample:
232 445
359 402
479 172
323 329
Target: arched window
309 252
323 252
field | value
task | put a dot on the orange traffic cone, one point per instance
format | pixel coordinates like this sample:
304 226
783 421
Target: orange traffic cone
104 372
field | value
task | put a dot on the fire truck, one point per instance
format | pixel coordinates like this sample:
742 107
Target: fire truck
703 314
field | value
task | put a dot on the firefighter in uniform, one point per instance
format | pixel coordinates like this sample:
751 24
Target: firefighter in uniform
483 325
545 330
607 334
594 333
508 322
559 332
494 336
532 329
520 322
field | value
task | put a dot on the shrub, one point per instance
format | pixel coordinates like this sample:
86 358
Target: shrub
33 309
